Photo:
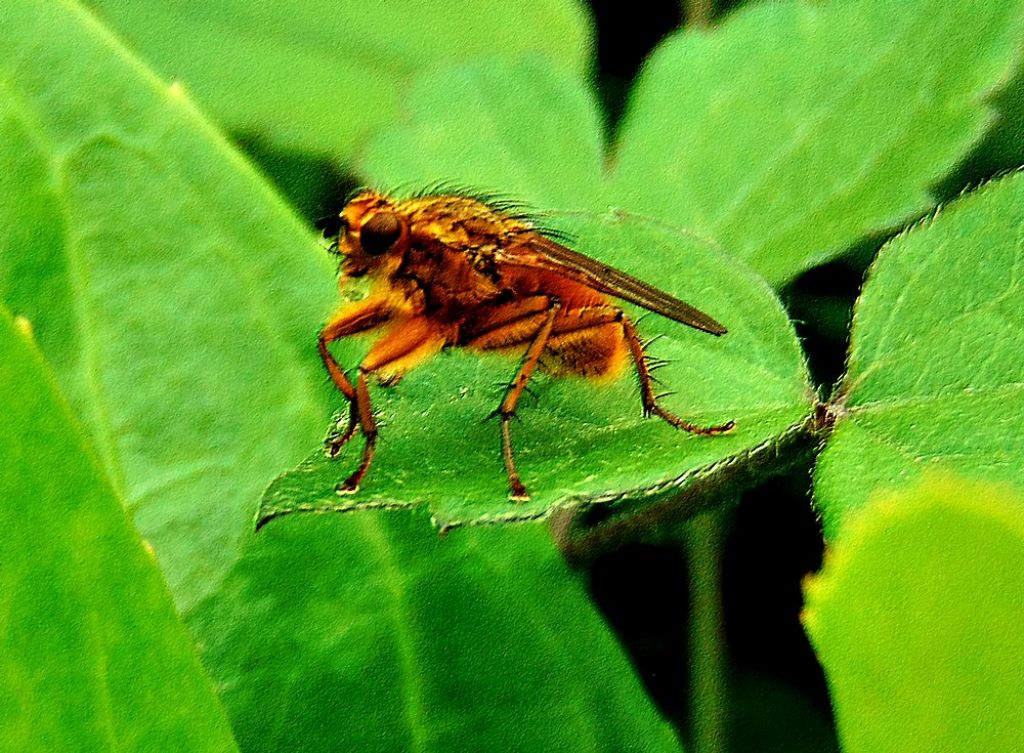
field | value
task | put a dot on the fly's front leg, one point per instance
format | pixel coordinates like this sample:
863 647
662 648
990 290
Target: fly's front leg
647 397
363 411
406 344
351 320
337 439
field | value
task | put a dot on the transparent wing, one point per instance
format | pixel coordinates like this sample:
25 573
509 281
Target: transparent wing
537 252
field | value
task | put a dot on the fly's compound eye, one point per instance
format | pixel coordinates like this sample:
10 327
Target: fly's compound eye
379 233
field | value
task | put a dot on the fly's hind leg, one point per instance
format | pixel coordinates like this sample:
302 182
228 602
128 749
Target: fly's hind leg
647 397
335 440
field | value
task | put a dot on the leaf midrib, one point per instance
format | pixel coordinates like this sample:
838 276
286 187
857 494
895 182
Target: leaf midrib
83 316
393 580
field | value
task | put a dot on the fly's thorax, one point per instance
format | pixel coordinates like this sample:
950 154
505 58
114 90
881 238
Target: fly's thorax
443 249
445 278
458 221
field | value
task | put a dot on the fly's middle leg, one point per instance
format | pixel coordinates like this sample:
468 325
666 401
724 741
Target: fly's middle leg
507 409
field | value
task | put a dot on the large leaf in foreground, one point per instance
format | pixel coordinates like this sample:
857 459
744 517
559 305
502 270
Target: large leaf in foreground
579 442
935 375
88 635
319 75
916 621
176 297
371 632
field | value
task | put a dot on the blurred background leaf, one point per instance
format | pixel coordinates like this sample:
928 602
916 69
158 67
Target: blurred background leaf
321 75
524 129
916 616
92 655
837 120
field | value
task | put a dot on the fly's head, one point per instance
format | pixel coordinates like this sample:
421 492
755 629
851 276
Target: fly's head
371 235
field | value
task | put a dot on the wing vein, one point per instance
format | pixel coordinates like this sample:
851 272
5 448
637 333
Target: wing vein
537 251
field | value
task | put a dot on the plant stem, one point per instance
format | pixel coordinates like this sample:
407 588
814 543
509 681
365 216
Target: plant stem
699 13
708 692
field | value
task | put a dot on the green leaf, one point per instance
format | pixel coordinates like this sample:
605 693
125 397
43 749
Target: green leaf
176 297
320 75
834 121
788 133
1002 148
88 636
371 632
915 620
935 377
528 131
578 442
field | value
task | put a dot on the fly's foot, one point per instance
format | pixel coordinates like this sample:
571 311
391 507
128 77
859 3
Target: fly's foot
346 488
336 439
517 492
676 421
